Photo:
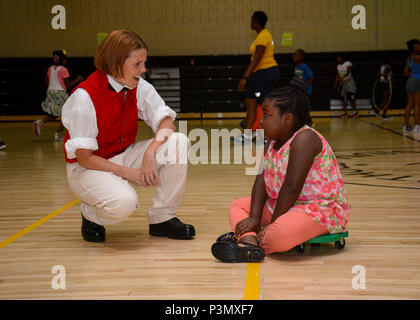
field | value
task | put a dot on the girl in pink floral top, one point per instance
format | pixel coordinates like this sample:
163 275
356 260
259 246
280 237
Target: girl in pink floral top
299 195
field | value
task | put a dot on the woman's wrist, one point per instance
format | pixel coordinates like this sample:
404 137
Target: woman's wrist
120 171
153 147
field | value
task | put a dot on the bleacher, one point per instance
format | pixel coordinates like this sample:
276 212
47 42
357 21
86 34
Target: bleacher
200 84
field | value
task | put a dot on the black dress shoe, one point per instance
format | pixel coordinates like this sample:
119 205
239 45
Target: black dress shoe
172 228
92 232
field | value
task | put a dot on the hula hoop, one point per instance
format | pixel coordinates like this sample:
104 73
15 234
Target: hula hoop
374 105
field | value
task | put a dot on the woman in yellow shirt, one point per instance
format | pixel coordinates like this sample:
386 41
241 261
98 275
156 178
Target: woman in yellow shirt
262 74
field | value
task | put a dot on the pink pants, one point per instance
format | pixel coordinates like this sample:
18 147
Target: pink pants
289 230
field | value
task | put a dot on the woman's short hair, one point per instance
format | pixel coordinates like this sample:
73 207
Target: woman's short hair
115 49
260 17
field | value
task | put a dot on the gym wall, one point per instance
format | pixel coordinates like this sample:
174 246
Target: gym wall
205 27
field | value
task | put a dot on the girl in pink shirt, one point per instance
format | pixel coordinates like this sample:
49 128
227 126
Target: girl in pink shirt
58 83
299 195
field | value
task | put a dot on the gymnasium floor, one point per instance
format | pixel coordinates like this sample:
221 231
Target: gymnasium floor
381 170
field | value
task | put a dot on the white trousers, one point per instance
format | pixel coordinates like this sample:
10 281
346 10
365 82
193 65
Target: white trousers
109 199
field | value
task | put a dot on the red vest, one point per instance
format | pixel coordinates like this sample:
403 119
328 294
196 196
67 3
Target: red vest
116 119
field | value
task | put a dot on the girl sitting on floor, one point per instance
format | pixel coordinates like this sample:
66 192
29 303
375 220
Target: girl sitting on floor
299 195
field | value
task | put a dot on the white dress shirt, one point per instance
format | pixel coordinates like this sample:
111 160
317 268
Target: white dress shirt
79 115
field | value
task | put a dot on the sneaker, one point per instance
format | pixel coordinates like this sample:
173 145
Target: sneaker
406 129
378 114
343 115
37 127
242 139
416 128
2 145
58 137
354 114
386 117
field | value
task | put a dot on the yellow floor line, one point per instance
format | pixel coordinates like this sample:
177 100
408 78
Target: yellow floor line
37 224
252 282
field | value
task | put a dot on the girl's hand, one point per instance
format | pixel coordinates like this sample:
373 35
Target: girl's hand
247 225
261 235
242 85
149 175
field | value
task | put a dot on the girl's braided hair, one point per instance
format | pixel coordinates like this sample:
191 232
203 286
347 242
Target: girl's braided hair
294 100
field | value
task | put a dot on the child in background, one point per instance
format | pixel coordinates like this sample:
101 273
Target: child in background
346 85
412 70
58 83
299 195
384 77
302 71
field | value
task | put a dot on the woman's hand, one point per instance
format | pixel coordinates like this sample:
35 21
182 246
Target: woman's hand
149 174
247 225
242 85
259 52
133 175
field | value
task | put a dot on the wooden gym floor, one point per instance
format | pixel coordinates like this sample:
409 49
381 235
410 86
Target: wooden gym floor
381 170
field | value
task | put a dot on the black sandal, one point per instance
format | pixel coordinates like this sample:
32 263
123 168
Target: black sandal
231 252
228 237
